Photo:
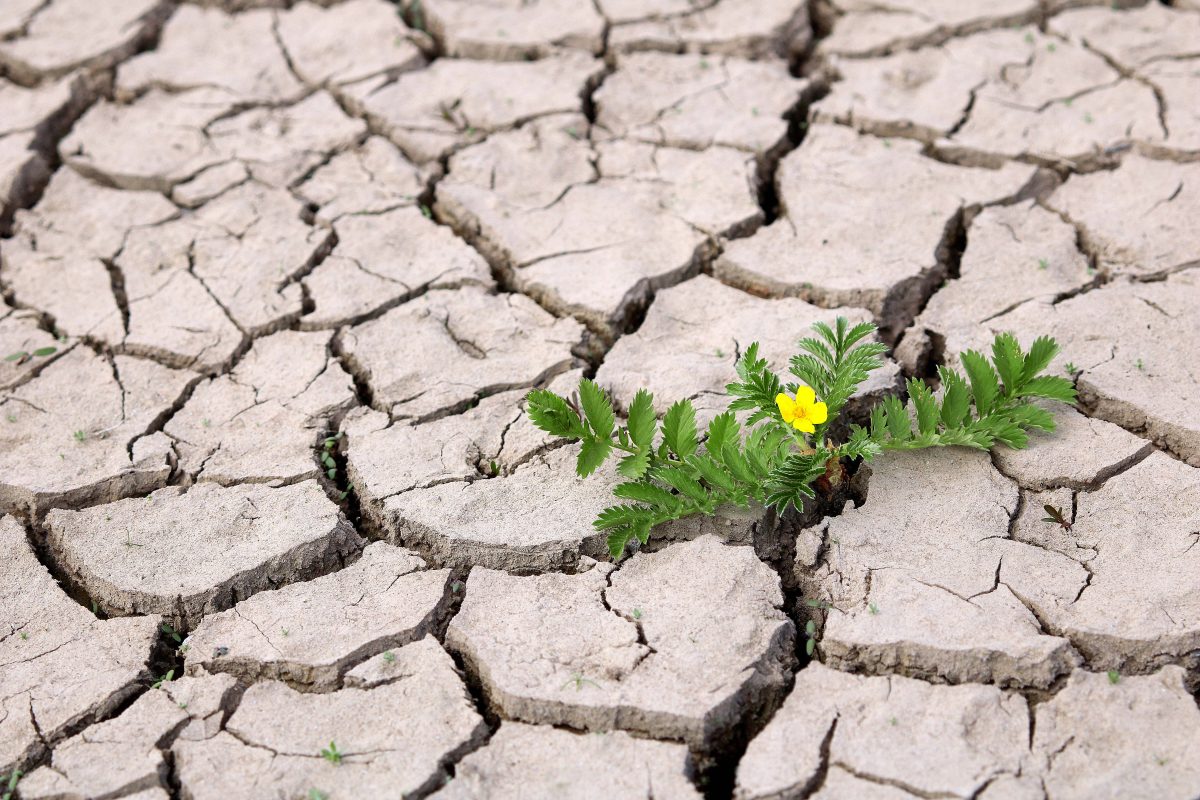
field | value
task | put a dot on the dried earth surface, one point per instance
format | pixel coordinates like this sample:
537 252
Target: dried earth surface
276 276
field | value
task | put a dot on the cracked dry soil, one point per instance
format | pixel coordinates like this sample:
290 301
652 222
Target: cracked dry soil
275 523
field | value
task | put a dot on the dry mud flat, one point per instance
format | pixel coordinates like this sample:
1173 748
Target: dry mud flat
275 523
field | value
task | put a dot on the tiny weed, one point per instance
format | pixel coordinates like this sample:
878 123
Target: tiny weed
494 467
206 422
389 656
578 680
1051 47
11 417
317 794
1043 264
22 356
24 636
182 706
1161 760
810 632
874 609
456 587
821 604
1029 38
10 787
719 353
172 633
332 754
284 631
1140 365
1088 118
893 722
1055 516
1070 368
79 436
170 676
427 212
637 613
704 63
1114 677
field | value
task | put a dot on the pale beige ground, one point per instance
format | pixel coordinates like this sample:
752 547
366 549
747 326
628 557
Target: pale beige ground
274 493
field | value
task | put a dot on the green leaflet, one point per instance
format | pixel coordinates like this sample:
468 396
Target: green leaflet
750 455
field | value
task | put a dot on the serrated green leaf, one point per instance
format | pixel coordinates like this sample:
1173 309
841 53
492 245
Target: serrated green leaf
925 406
634 465
956 398
899 426
984 383
597 409
553 414
711 471
679 428
592 455
1041 353
721 431
617 542
737 464
648 493
1009 361
681 481
642 419
1051 387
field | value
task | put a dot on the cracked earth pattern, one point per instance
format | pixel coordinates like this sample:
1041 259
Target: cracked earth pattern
274 521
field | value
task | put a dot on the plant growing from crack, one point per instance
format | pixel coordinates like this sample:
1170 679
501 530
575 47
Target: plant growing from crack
331 753
10 786
788 444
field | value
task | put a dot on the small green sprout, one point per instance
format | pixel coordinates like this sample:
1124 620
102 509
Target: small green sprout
1055 516
494 467
284 631
704 63
10 787
579 680
389 656
893 722
206 422
1043 264
24 636
821 604
1051 47
1114 677
456 586
1070 368
332 754
1141 366
719 353
170 676
1029 38
317 794
183 706
427 212
810 631
172 633
79 436
11 417
1088 118
874 609
22 356
637 613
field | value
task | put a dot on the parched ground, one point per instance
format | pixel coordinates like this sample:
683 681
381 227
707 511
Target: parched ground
276 277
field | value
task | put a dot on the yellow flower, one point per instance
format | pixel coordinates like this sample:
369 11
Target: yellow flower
804 413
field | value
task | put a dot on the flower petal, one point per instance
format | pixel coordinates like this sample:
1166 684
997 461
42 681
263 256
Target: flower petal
805 396
803 425
818 413
787 406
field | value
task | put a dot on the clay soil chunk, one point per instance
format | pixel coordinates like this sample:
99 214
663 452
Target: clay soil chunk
1103 203
235 53
309 634
77 433
694 101
936 741
918 577
869 28
655 647
1097 739
827 188
445 349
126 754
382 260
695 332
187 554
65 35
745 28
540 763
370 179
431 112
60 667
394 739
592 231
262 422
347 42
513 30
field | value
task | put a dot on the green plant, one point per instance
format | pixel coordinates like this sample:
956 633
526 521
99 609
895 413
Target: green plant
810 633
1054 515
10 787
22 356
389 656
170 676
317 794
172 633
332 754
1114 677
79 436
1043 264
874 609
782 445
579 681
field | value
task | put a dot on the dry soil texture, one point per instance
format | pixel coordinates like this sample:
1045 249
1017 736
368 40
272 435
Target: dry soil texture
276 276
